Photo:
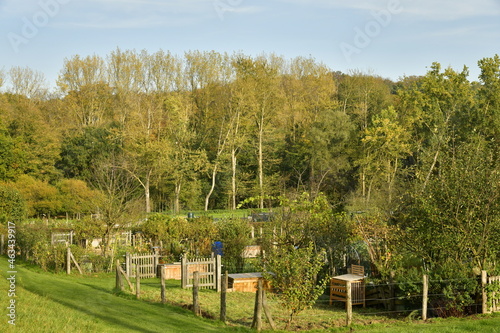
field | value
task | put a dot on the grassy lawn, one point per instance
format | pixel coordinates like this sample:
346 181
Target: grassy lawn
58 303
48 302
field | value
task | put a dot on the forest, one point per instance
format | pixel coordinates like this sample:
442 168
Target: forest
137 132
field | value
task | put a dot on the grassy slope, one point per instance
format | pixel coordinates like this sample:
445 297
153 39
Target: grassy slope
50 303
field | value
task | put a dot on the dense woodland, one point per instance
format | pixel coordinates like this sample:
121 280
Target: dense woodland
415 161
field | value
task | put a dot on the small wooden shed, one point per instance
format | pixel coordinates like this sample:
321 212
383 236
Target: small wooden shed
245 282
338 289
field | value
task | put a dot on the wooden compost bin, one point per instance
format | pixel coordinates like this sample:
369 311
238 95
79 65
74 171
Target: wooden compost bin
172 271
245 282
338 289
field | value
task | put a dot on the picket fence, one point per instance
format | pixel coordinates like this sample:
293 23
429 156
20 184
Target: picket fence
146 264
209 270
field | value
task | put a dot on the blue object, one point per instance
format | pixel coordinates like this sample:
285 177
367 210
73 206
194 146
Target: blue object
217 248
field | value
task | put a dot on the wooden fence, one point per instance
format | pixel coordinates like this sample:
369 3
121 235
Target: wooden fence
146 264
494 303
209 272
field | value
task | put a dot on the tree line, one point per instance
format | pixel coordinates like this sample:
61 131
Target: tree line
409 167
209 130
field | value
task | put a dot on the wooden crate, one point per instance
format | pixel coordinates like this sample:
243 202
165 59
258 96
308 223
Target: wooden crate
245 282
171 271
338 289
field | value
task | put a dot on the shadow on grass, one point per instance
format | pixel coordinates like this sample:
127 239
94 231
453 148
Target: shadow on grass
119 313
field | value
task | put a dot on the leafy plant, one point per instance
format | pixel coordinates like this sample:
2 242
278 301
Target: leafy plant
293 274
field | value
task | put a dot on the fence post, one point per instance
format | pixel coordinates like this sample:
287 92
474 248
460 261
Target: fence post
484 282
68 260
223 297
162 281
184 272
119 281
392 303
425 293
196 284
128 264
137 282
218 272
257 314
348 303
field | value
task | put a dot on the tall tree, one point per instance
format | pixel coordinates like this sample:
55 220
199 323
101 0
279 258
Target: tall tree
88 96
262 97
28 83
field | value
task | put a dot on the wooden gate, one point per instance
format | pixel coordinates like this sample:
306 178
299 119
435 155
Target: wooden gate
146 263
209 271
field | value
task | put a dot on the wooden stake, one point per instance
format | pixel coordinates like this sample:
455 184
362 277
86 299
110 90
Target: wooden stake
257 316
162 281
484 282
76 263
137 282
120 269
267 310
348 303
68 261
196 285
425 297
223 297
119 281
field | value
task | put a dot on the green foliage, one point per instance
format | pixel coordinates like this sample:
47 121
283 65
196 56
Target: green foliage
493 291
87 228
201 232
77 197
83 150
457 216
452 287
302 220
11 157
33 241
293 274
171 231
235 236
12 204
180 236
41 197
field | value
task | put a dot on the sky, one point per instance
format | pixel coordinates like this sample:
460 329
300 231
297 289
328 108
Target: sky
389 38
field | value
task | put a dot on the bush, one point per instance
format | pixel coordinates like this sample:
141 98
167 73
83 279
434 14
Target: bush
12 205
235 236
452 287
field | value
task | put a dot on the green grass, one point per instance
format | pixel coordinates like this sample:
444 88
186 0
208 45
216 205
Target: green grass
222 213
58 303
49 302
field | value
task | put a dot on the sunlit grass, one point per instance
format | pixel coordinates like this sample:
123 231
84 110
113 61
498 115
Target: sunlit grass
49 302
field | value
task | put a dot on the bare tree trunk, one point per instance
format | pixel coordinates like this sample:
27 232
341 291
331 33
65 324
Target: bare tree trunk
233 178
207 198
147 194
177 193
430 170
261 163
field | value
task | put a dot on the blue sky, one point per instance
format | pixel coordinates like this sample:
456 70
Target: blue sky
390 38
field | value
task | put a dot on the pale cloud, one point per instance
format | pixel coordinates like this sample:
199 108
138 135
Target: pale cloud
416 9
122 14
